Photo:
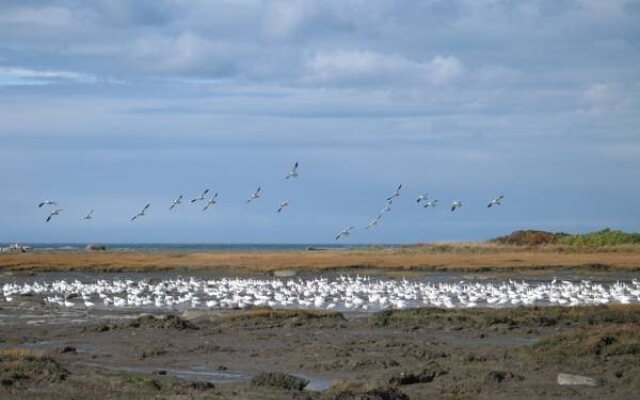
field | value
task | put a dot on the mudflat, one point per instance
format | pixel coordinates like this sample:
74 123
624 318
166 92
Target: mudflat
293 354
454 257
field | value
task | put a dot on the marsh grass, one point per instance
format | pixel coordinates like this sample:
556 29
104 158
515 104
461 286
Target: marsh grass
467 257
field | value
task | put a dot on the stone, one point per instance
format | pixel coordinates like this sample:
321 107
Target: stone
568 379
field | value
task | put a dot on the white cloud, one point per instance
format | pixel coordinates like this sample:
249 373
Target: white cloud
366 68
24 76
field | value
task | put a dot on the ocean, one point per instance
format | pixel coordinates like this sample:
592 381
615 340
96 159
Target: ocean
244 247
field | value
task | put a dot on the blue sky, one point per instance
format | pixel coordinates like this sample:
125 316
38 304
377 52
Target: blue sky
113 104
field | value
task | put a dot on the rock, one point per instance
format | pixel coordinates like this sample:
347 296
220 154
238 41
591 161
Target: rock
426 375
375 394
279 380
68 349
568 379
501 376
95 247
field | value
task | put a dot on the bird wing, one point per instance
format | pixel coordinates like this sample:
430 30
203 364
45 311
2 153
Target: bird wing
49 218
205 192
134 217
146 207
41 204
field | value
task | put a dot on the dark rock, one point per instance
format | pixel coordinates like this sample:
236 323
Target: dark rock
199 385
68 349
279 380
375 394
95 247
425 376
501 376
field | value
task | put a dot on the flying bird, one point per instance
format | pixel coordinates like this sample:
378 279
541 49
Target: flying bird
47 203
254 195
395 194
344 232
88 216
423 197
431 203
294 171
211 202
176 203
387 207
374 222
456 204
282 205
201 197
496 201
53 214
141 213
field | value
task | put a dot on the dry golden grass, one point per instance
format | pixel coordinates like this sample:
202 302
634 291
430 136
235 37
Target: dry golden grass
461 257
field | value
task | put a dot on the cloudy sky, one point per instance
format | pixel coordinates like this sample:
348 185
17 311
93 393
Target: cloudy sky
110 104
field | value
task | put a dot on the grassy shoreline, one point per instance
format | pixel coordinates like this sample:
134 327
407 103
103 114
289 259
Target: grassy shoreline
462 257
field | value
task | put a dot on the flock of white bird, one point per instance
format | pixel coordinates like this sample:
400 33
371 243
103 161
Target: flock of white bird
345 293
256 194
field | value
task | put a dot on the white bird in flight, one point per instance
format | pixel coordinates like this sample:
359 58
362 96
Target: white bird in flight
456 204
423 197
211 202
88 216
387 207
344 232
374 222
176 203
201 197
53 214
254 195
431 203
294 171
47 203
496 201
282 205
395 194
141 213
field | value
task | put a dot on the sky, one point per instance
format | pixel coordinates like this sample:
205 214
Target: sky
112 104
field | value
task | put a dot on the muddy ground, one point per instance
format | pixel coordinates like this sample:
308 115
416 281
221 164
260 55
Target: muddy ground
55 353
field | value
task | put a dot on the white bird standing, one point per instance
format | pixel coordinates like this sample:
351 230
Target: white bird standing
53 214
141 213
431 203
423 197
176 203
88 216
395 194
211 202
456 204
495 202
254 195
294 171
282 205
344 232
47 203
374 222
201 197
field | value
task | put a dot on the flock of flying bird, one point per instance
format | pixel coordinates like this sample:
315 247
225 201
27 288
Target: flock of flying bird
255 195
